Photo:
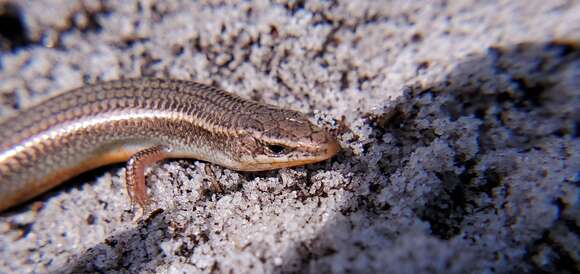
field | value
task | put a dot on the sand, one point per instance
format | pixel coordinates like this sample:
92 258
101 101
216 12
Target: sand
458 122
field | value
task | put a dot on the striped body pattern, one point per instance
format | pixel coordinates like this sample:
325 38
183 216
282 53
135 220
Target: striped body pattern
107 123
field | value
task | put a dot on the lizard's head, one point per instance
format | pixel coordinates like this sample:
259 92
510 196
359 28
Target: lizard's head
284 138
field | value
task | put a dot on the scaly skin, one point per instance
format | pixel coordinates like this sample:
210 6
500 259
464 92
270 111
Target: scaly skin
110 122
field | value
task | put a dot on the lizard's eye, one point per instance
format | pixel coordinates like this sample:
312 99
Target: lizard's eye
277 149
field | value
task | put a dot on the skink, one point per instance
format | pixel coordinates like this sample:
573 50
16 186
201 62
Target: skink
142 121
